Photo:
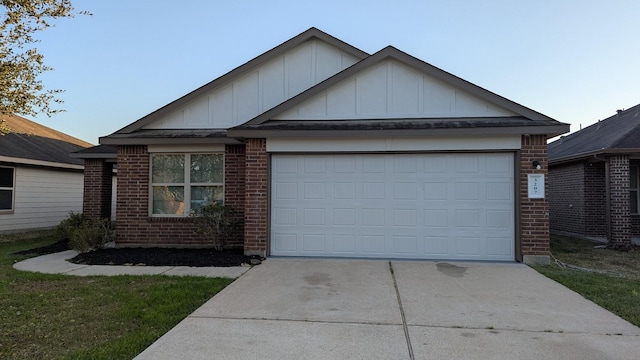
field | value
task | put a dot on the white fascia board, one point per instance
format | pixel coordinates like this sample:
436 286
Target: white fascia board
402 144
185 148
23 161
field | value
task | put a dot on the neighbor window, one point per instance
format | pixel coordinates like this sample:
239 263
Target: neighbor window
7 189
633 188
182 183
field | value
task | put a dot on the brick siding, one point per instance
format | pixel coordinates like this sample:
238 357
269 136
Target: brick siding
595 199
619 207
98 180
234 186
534 213
134 225
635 218
567 198
256 192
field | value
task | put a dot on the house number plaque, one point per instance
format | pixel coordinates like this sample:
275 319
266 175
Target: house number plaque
536 186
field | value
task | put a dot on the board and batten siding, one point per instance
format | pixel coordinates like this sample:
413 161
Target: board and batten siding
392 90
43 198
260 89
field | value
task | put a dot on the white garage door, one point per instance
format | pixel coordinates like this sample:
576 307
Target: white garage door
422 206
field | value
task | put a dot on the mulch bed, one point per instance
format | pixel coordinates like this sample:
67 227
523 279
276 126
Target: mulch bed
62 245
163 257
151 256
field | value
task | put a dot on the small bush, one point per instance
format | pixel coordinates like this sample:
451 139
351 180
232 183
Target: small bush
218 221
67 226
84 233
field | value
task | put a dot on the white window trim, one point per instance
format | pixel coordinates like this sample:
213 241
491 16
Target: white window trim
186 185
13 192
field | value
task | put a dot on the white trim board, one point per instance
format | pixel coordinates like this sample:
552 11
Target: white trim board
393 144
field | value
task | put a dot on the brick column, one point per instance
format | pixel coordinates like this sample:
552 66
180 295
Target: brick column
534 213
234 186
132 203
256 187
98 179
618 200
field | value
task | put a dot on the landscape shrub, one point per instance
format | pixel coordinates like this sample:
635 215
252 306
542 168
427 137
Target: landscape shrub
84 233
218 221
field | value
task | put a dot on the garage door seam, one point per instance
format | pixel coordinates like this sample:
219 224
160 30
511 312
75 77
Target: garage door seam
404 320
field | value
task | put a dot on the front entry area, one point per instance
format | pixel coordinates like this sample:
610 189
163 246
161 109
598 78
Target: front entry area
457 206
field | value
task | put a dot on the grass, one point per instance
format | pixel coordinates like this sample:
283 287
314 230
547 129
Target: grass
68 317
607 277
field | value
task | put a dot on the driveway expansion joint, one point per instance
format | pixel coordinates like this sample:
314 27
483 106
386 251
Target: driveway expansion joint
295 320
402 315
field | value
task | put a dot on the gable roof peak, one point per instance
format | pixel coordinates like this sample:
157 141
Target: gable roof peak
309 34
408 60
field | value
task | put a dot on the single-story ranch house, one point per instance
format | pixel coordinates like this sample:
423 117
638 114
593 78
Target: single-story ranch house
326 150
594 180
39 183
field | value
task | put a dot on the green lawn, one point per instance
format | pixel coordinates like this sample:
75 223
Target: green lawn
607 277
68 317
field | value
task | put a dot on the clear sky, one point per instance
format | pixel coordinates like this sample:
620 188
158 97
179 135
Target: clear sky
576 61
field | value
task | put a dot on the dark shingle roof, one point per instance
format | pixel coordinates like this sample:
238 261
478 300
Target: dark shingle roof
30 140
617 133
20 125
35 147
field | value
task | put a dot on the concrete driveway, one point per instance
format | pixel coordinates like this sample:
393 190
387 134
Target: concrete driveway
375 309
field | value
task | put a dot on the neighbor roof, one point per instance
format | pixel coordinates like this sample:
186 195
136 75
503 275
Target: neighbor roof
619 133
31 143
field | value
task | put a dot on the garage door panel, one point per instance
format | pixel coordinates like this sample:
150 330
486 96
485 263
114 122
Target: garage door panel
373 244
285 243
429 206
436 246
345 243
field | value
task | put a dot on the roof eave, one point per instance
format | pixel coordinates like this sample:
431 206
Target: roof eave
550 131
106 156
32 162
592 154
112 140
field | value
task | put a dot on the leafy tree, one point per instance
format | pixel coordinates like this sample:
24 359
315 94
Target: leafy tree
21 90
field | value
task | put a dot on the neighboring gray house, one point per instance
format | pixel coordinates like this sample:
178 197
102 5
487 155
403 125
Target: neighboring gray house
326 150
39 182
594 180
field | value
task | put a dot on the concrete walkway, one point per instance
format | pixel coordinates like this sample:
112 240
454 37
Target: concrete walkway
57 264
367 309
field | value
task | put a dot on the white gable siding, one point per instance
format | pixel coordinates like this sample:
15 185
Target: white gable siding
392 90
43 198
261 89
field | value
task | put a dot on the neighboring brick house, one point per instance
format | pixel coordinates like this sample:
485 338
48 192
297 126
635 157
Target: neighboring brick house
594 181
326 150
39 183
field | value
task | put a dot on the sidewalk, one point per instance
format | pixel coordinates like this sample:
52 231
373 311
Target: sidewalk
57 264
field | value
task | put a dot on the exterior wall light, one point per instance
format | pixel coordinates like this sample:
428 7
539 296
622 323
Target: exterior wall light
536 165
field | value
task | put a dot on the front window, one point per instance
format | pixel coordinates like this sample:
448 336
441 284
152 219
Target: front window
7 189
181 183
633 189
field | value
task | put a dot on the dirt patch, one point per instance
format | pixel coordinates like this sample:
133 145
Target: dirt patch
151 256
